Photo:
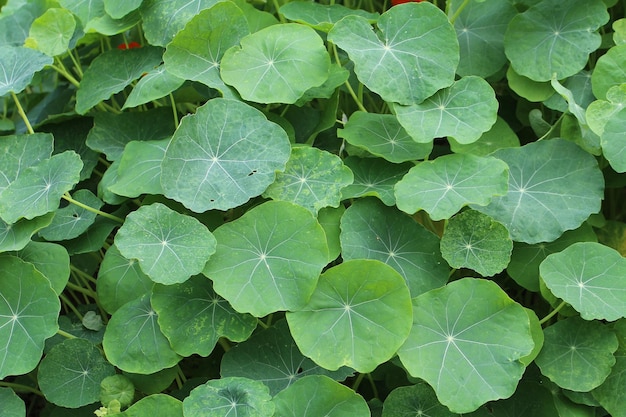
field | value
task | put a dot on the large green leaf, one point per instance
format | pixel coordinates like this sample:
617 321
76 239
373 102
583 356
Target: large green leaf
374 177
29 308
52 32
155 405
414 54
222 156
553 186
613 142
12 405
85 10
321 16
276 64
259 265
120 8
599 112
464 111
610 393
50 259
499 136
467 341
72 220
358 316
20 152
152 86
18 65
414 400
530 399
17 235
169 246
609 71
139 171
370 230
554 37
587 275
443 186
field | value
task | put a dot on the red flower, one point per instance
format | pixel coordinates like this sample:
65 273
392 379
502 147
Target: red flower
396 2
130 45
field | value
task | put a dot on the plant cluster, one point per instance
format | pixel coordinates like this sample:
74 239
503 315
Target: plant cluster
297 208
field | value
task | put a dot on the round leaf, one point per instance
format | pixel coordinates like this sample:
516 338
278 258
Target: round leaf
259 265
18 65
321 16
12 405
72 220
414 400
276 64
465 110
313 179
117 388
17 235
155 405
153 85
466 342
51 260
326 398
222 156
553 186
52 32
476 241
71 372
170 247
370 230
613 142
499 136
577 354
443 186
553 37
530 399
414 55
219 397
374 177
20 152
609 71
29 308
587 275
358 316
599 112
139 170
609 394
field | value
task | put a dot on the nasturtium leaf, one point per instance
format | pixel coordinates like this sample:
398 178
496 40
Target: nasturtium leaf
313 178
272 357
70 373
443 186
15 22
600 111
464 111
17 235
609 71
29 308
109 178
72 220
414 400
169 246
113 70
86 11
12 405
382 135
374 177
531 90
18 65
553 37
117 387
20 152
120 8
530 399
224 154
133 340
38 189
537 333
588 275
196 51
476 241
580 93
51 260
259 265
219 397
329 218
325 397
499 136
480 30
466 342
610 393
155 382
553 186
276 64
577 354
139 171
51 32
613 141
108 26
414 54
94 238
155 405
321 16
370 230
153 85
358 316
193 317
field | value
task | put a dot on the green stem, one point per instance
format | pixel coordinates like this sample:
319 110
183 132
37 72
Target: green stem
553 313
280 16
373 385
458 11
82 274
80 289
22 114
66 334
20 387
224 344
357 382
70 305
67 197
176 120
354 97
260 322
60 68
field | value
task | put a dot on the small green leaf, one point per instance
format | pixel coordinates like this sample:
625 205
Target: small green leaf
20 152
120 8
374 177
51 260
18 65
155 382
17 235
170 247
153 85
329 219
499 136
139 170
599 112
72 220
609 71
414 400
52 32
609 394
86 11
530 399
613 142
12 405
321 16
155 405
117 387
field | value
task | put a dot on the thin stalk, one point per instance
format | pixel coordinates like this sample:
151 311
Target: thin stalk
553 313
280 16
181 374
60 68
224 344
81 290
66 334
22 114
459 11
373 385
176 120
67 197
70 305
354 97
82 274
76 61
357 382
20 387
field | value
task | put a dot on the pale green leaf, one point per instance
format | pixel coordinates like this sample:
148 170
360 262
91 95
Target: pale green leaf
18 65
52 32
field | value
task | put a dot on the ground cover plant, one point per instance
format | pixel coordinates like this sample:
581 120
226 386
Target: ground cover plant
312 208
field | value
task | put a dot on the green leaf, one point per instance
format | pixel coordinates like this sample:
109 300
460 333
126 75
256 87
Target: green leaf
111 71
587 276
499 136
374 177
52 32
313 179
609 71
277 64
553 37
530 399
599 112
155 405
222 156
134 342
17 235
85 10
153 85
329 219
14 24
577 354
414 400
155 382
358 316
139 171
370 230
94 238
170 247
20 152
531 90
465 110
193 317
70 373
117 387
537 332
71 221
326 398
553 186
476 241
443 186
39 188
12 405
382 135
196 51
108 26
259 265
18 65
414 53
613 142
29 308
120 8
321 16
609 394
51 260
241 396
466 342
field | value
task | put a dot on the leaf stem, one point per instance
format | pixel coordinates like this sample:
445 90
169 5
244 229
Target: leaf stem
60 68
354 97
22 114
176 120
20 387
81 290
553 313
357 382
224 344
459 11
66 334
70 305
67 197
